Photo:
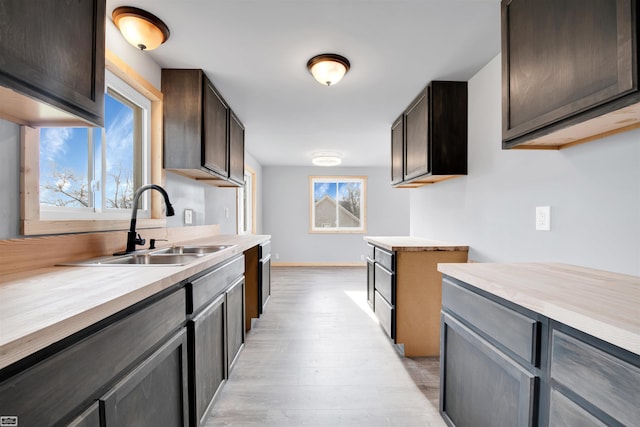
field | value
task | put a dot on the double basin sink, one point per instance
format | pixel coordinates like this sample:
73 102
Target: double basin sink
173 256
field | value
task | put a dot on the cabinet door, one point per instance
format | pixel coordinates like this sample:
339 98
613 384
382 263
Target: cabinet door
265 282
397 151
235 321
479 385
55 53
417 160
215 131
89 418
208 357
155 393
370 282
236 150
564 57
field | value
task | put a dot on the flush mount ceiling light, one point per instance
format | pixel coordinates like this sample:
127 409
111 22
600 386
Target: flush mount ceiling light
326 159
140 28
328 68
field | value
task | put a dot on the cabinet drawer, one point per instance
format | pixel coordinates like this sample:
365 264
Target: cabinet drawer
605 381
371 251
212 284
265 250
386 259
515 331
386 315
385 283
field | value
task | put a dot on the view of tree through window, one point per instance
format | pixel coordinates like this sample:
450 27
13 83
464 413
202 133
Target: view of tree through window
94 168
338 204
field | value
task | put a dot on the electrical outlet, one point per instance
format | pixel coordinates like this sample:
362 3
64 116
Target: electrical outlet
226 212
543 218
277 256
188 216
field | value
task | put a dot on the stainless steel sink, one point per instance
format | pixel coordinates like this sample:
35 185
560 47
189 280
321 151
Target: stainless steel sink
173 256
193 249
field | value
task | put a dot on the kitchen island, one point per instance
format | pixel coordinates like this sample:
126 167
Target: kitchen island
404 289
539 344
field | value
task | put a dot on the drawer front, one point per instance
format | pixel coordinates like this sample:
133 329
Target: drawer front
605 381
386 315
371 251
265 250
386 259
385 284
564 412
515 331
214 283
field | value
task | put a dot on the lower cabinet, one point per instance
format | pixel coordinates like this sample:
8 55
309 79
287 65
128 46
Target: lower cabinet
234 302
482 386
130 355
504 365
370 282
265 274
208 360
154 393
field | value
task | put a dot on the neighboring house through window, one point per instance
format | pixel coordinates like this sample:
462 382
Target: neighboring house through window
338 204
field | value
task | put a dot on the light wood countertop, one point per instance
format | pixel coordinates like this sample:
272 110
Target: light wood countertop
43 306
412 244
602 304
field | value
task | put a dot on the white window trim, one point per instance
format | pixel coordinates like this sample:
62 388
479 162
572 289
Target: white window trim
338 230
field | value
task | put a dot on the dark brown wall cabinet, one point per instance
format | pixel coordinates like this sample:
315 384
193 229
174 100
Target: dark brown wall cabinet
501 364
429 139
203 138
569 71
52 62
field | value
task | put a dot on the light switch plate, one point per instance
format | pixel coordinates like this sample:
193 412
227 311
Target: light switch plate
188 216
543 218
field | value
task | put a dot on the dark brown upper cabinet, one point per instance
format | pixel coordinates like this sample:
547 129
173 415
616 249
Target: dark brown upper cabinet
201 136
569 71
52 62
429 140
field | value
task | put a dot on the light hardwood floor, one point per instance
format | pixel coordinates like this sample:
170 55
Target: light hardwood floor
318 357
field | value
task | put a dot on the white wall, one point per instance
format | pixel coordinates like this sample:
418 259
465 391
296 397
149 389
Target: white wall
286 214
593 190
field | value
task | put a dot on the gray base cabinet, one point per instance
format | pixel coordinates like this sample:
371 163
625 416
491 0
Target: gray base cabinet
154 393
264 274
502 364
234 301
67 382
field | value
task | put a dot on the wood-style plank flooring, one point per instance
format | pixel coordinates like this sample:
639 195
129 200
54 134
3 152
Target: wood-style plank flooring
318 357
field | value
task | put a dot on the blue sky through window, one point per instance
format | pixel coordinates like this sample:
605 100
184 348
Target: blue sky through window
321 189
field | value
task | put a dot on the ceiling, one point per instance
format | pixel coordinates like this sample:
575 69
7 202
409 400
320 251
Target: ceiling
255 52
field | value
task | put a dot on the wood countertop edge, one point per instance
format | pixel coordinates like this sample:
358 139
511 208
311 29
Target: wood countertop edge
41 333
608 328
413 244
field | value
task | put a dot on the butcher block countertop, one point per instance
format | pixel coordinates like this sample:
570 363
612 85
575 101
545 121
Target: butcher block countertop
602 304
43 306
412 244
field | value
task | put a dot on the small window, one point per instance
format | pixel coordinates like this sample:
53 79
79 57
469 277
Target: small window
338 204
85 172
246 203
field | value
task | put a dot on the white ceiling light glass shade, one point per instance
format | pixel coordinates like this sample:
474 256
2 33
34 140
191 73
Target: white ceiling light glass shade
140 28
326 159
328 68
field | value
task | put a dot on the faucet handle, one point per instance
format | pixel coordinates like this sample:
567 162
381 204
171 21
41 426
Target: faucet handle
140 240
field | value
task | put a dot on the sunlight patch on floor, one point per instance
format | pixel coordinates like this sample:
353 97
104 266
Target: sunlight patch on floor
360 299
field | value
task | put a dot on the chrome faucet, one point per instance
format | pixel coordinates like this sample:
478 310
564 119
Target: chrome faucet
134 238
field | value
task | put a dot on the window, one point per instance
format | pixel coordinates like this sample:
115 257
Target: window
86 172
91 211
246 203
338 204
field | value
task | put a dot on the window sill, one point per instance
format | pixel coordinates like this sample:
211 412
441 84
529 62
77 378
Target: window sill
37 227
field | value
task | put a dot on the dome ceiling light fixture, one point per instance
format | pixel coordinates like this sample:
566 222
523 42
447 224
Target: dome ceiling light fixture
326 159
140 28
328 68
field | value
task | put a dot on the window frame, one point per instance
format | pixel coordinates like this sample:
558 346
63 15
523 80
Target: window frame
249 209
31 221
338 230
